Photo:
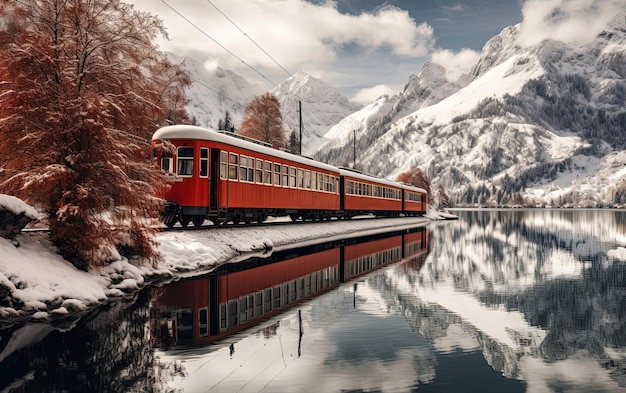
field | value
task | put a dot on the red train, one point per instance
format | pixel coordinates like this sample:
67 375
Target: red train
239 295
223 177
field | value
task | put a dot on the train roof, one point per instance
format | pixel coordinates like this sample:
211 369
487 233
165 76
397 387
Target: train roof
413 188
361 176
347 172
189 132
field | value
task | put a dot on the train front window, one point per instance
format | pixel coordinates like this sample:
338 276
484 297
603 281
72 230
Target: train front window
204 162
185 161
166 164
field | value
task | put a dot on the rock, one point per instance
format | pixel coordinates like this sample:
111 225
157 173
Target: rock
14 216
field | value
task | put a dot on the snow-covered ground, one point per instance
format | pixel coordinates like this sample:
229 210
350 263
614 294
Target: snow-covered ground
43 286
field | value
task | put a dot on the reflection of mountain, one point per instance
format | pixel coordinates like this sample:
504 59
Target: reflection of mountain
525 286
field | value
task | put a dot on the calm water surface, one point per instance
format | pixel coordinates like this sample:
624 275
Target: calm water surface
498 301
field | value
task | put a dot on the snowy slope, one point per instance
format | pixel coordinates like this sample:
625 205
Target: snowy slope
214 91
322 107
535 126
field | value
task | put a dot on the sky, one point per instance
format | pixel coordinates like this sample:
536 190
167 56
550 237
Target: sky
364 48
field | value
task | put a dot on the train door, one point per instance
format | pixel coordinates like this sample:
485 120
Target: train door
214 180
342 192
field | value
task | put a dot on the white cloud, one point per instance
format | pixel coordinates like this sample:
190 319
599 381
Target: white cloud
294 32
370 94
456 64
565 20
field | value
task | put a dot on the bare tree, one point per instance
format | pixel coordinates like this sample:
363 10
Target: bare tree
83 88
263 121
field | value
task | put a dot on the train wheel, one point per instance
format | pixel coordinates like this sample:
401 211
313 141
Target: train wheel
197 221
293 217
184 220
170 221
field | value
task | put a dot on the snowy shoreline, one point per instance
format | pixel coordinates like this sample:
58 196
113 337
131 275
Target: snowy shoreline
38 285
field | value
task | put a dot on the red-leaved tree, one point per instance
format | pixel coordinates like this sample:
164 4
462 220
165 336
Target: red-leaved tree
264 121
416 177
83 88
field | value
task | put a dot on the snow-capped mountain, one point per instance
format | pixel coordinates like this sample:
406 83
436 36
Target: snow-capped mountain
214 91
540 125
374 120
322 107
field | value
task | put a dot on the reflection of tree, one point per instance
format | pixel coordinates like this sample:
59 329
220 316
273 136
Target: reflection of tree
108 352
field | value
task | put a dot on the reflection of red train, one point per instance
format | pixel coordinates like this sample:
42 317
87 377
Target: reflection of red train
221 177
237 296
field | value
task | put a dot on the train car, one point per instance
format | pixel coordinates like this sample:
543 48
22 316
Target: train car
203 310
221 177
237 296
363 194
414 200
363 258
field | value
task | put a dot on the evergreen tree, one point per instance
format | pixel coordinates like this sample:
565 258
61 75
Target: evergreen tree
228 123
294 143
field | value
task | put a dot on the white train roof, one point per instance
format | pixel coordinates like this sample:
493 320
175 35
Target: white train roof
189 132
358 175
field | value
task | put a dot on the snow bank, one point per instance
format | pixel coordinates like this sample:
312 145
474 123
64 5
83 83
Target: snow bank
17 206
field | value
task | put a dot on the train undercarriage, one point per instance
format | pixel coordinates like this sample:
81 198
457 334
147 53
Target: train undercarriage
173 214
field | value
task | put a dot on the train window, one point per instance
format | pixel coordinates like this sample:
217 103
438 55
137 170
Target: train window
223 165
251 169
204 162
335 184
268 172
313 180
203 322
243 309
267 298
326 183
233 167
320 182
276 174
307 179
258 304
277 296
243 168
223 317
185 161
300 178
286 293
233 313
292 177
166 163
259 170
285 176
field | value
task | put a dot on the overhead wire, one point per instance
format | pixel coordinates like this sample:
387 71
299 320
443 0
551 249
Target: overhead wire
239 58
216 42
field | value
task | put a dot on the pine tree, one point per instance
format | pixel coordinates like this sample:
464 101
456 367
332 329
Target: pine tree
263 121
83 89
294 143
228 123
442 197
